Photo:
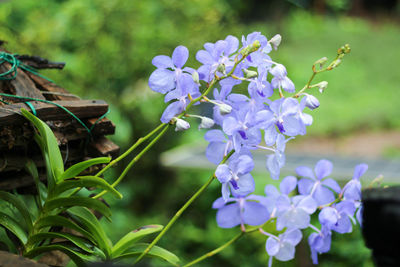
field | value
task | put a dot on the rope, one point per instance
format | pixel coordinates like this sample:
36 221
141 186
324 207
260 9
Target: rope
15 64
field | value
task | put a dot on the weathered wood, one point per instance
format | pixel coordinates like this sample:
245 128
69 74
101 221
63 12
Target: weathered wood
40 63
11 260
10 114
21 85
55 92
103 147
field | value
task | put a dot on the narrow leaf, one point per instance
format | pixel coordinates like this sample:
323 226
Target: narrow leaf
72 201
129 239
30 166
84 181
56 220
13 226
156 252
50 175
77 168
76 240
20 205
78 258
57 164
84 217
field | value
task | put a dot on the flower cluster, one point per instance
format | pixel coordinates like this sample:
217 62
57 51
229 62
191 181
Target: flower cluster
269 115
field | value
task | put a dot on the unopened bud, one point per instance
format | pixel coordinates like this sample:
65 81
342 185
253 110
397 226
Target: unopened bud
249 73
221 68
276 41
206 123
254 46
311 101
322 86
224 109
181 125
334 64
321 62
195 76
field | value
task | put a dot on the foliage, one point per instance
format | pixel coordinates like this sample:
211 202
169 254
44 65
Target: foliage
82 237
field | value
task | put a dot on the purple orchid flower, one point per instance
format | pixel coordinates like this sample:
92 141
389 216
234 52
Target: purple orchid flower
321 189
216 55
282 247
280 79
352 190
240 211
277 160
294 212
319 242
218 147
236 176
338 217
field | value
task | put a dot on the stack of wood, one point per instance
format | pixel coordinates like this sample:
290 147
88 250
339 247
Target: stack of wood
16 133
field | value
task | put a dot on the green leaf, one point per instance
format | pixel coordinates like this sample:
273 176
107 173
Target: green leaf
84 217
13 226
77 168
20 205
30 166
50 176
84 181
72 201
78 258
156 252
56 220
125 242
76 240
50 142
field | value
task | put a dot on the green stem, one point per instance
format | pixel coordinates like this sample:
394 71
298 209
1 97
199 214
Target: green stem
220 248
134 160
135 145
126 153
180 211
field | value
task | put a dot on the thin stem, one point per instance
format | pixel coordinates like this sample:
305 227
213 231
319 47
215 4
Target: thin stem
220 248
135 145
215 251
180 211
126 153
133 161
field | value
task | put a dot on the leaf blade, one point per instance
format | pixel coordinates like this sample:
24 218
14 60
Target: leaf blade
76 240
20 206
84 181
77 168
126 241
13 226
156 252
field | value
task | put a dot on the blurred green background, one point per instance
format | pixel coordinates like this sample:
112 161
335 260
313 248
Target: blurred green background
108 47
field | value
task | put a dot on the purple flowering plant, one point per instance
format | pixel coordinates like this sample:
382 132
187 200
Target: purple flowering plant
267 117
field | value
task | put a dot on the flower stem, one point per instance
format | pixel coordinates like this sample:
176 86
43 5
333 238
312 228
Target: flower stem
180 211
127 152
134 160
220 248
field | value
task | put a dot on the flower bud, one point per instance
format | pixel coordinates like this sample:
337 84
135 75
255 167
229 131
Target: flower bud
221 68
206 123
195 76
181 125
334 64
276 41
254 46
311 101
321 62
224 109
322 86
249 73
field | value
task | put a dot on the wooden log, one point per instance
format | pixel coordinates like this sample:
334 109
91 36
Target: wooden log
54 92
103 147
10 114
21 85
39 62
